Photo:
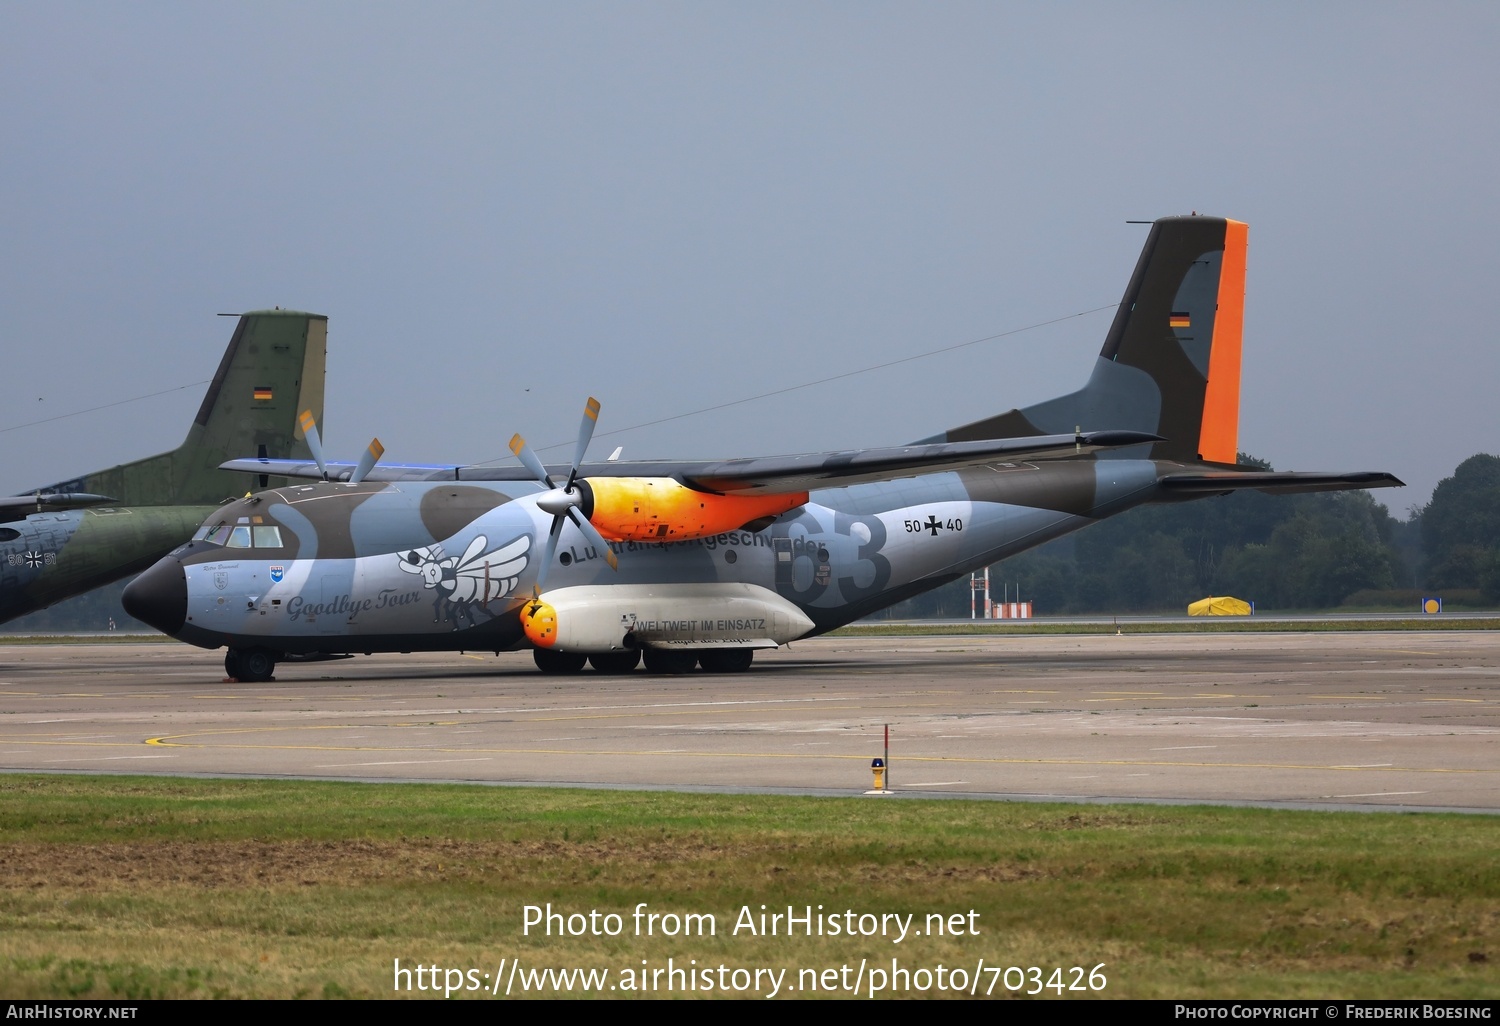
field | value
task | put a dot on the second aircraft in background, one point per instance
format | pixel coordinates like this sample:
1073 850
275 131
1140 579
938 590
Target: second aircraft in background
69 538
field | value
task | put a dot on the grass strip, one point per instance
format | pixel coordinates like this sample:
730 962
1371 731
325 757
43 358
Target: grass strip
117 887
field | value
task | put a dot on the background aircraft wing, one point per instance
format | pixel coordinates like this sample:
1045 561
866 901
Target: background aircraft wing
22 506
768 475
340 470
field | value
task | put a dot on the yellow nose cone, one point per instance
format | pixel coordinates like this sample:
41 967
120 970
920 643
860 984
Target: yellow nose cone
539 621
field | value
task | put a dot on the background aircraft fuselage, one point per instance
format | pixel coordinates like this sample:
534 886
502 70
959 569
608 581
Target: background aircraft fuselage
47 557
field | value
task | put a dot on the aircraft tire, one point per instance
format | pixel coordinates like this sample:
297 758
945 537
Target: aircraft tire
615 663
558 663
255 665
726 660
232 663
670 660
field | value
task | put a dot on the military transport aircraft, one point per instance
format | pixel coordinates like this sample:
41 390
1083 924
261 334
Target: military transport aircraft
701 563
69 538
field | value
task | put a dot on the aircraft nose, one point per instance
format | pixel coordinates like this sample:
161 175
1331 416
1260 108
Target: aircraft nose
159 596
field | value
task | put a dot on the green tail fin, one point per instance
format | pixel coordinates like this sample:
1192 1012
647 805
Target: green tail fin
271 372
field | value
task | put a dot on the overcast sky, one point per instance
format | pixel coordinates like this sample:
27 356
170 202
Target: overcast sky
504 208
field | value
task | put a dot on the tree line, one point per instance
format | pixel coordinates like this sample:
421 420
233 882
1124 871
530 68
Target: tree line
1282 552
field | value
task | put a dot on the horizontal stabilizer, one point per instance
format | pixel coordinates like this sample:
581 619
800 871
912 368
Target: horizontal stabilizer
769 475
1219 482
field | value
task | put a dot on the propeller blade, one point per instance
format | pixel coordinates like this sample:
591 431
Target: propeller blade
552 536
595 538
585 434
528 459
367 461
314 443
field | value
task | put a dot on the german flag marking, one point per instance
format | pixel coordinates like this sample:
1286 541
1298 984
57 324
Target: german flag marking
262 393
1179 320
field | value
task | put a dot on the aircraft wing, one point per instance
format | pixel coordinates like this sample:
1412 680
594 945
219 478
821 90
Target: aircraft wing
768 475
22 506
1222 482
809 472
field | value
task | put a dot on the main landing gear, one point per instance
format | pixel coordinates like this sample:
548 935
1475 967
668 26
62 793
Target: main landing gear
250 665
670 661
558 664
616 663
726 660
568 663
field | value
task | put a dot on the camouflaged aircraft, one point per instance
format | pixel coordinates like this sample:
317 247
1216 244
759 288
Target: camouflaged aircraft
71 537
690 564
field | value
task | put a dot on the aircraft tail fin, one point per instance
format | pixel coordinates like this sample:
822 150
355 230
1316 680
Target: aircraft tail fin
1170 364
271 372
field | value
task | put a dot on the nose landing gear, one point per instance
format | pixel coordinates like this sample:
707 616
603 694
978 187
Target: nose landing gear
250 665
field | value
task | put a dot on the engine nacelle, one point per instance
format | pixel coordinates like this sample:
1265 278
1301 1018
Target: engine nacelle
613 617
658 509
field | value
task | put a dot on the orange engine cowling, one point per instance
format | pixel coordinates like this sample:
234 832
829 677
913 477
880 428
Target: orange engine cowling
539 621
658 509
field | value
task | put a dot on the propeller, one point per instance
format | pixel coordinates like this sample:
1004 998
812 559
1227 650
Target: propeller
309 427
367 462
568 502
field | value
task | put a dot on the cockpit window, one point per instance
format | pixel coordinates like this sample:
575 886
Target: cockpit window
241 536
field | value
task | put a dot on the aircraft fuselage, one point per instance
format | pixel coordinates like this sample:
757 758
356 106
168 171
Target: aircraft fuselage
381 567
449 557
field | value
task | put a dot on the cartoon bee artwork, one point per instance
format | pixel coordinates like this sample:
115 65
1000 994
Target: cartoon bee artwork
468 583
